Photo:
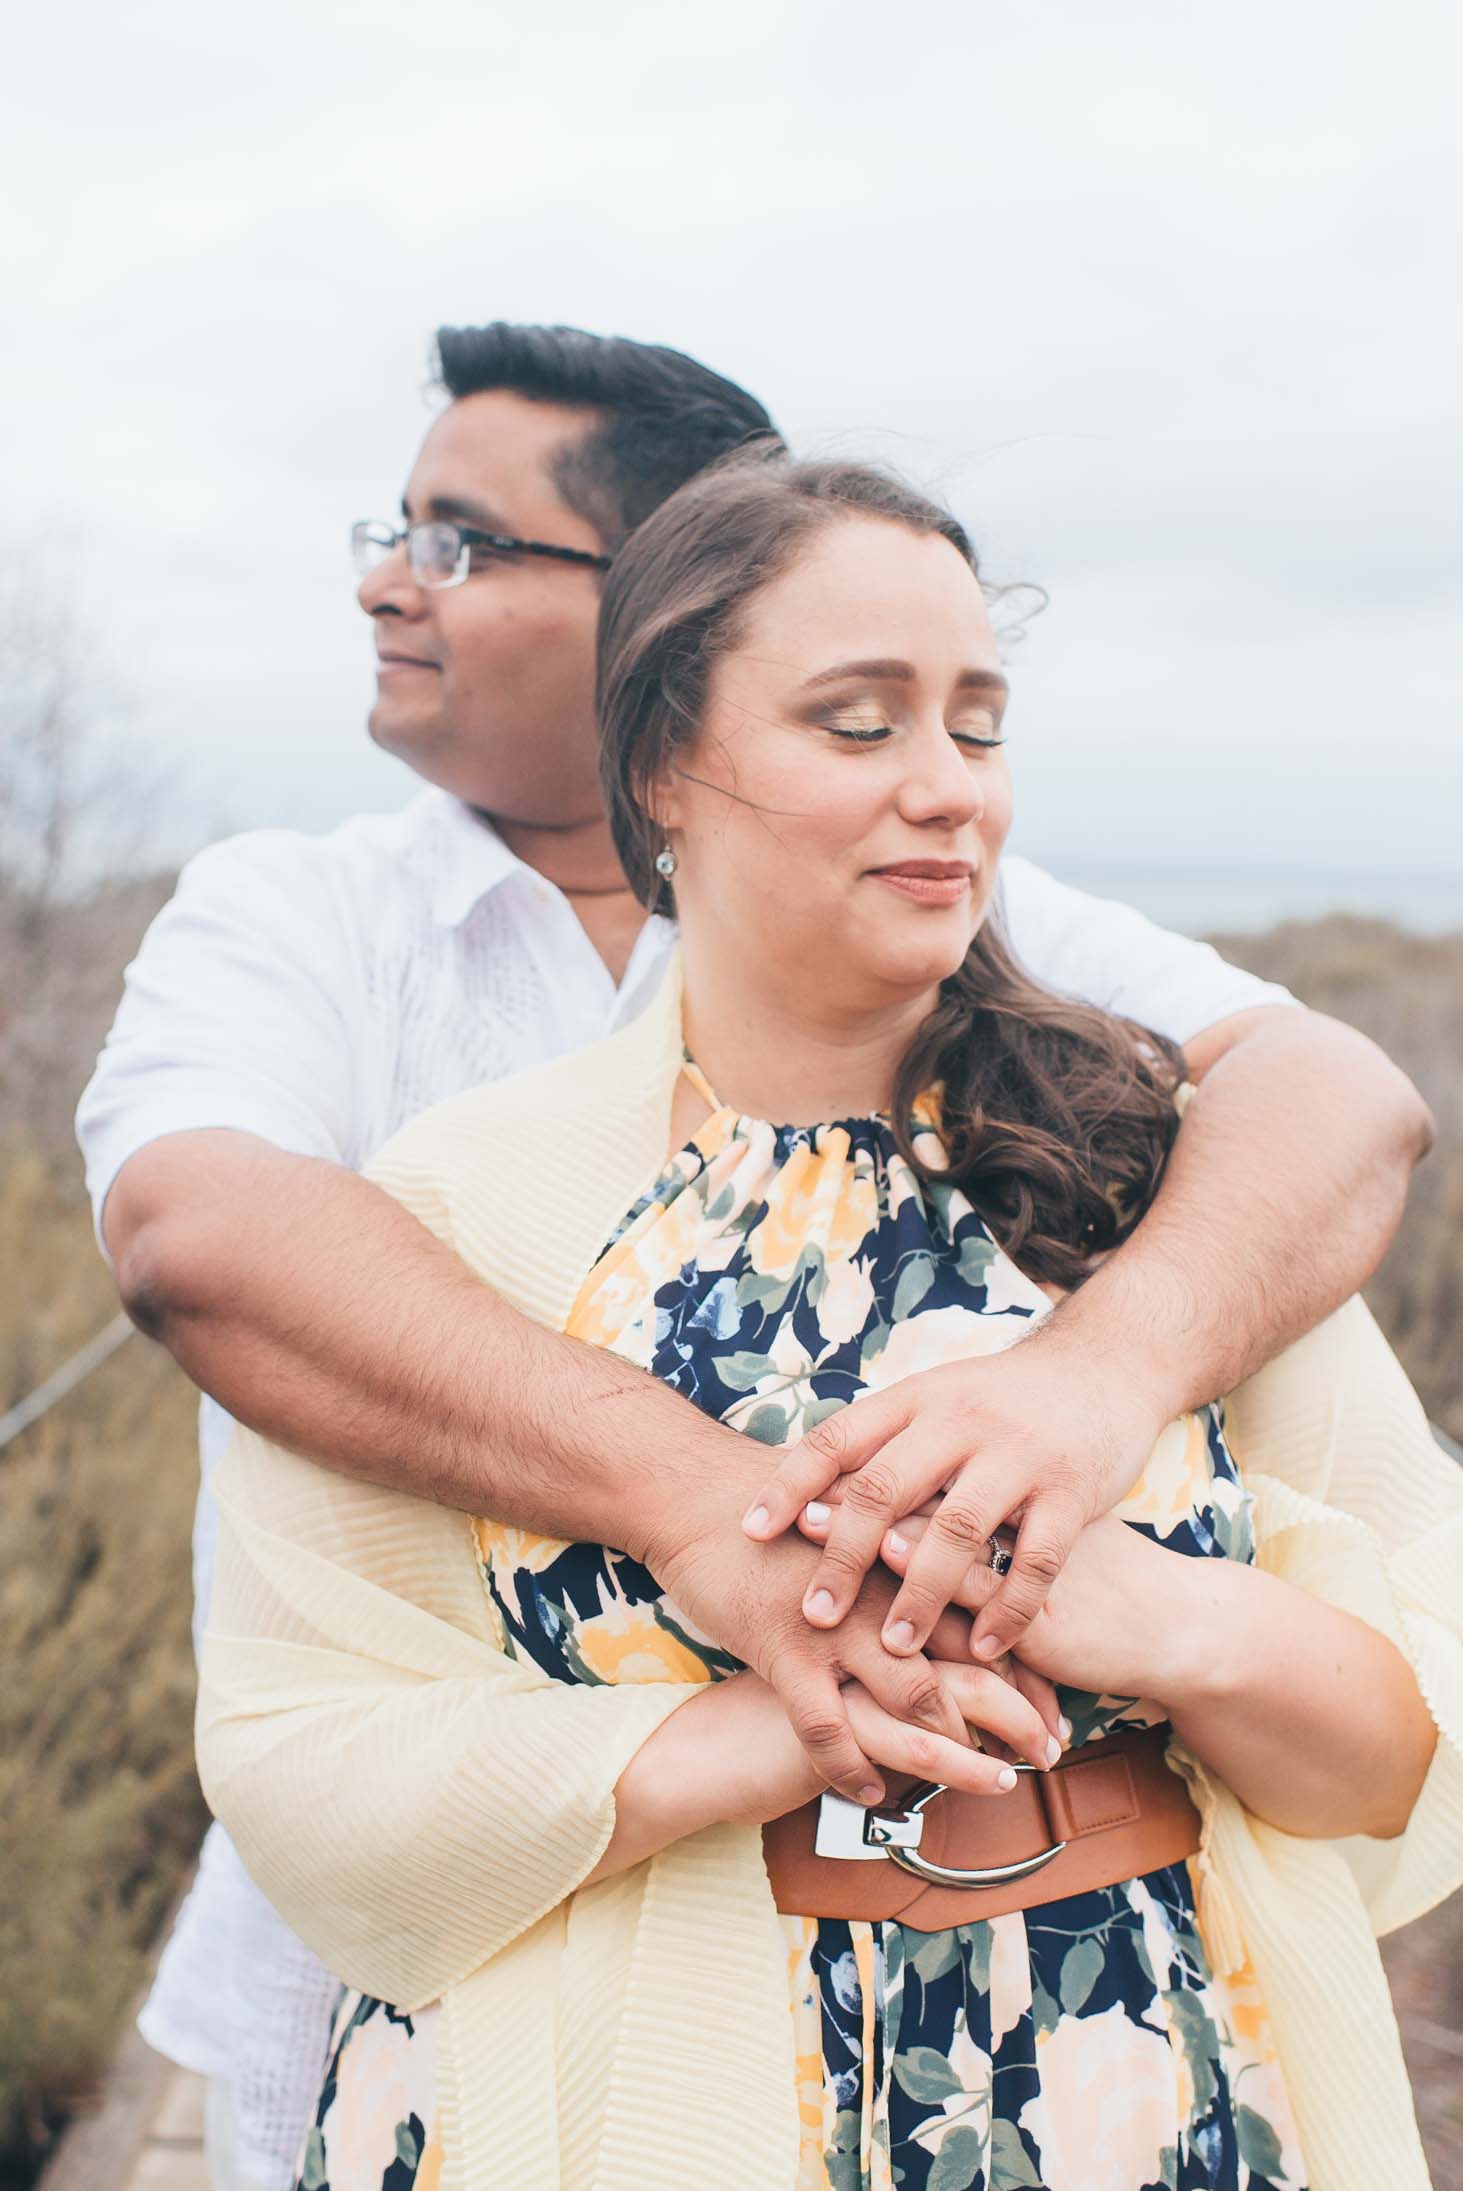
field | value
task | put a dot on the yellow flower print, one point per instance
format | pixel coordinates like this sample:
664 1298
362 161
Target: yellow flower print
816 2105
506 1550
818 1199
1175 1481
637 1649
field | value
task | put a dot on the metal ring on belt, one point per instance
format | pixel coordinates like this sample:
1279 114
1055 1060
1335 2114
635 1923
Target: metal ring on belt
897 1835
1110 1810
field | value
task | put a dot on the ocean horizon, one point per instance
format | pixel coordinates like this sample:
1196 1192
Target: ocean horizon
1209 900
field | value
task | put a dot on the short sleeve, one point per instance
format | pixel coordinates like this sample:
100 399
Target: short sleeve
1113 956
236 1012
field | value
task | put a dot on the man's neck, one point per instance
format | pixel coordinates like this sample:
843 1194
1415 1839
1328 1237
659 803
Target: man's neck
579 858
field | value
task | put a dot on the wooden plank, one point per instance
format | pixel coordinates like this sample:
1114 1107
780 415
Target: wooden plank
102 2145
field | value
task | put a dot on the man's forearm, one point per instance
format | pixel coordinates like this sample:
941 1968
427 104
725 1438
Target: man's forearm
318 1311
1284 1191
321 1313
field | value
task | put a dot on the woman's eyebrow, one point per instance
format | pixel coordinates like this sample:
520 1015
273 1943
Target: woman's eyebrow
902 673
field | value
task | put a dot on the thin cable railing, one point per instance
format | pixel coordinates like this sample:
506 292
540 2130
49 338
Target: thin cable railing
65 1379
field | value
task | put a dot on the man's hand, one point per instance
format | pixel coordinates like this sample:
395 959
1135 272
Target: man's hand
751 1599
1038 1438
1277 1203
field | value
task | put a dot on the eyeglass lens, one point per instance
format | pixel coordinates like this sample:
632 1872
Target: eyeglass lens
435 552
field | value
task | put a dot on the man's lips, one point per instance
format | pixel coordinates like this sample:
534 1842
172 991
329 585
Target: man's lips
388 660
928 882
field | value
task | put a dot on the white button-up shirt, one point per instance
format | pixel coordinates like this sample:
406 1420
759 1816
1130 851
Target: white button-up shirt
319 992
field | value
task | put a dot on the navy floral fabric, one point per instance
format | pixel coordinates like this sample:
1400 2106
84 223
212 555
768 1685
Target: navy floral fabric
772 1275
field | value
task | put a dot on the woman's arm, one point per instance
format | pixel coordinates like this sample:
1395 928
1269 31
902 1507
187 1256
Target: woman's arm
411 1797
1310 1717
729 1755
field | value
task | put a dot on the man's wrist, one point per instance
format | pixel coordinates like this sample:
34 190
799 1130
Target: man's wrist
695 1495
1132 1388
1137 1372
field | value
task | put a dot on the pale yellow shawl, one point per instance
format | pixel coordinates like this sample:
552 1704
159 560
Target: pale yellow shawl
422 1808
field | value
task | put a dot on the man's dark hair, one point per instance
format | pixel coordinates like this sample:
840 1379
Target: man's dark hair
664 417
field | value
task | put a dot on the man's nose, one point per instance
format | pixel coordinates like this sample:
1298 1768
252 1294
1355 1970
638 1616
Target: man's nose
389 588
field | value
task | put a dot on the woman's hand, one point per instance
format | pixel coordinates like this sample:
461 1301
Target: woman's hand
1014 1711
1125 1617
729 1754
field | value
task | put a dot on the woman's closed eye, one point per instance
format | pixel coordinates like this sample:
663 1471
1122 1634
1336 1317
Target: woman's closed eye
872 734
861 734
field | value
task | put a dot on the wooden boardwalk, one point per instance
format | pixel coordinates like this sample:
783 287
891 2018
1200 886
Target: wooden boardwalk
170 2157
145 2132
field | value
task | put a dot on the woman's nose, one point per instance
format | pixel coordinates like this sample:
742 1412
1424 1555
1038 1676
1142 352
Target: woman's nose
941 784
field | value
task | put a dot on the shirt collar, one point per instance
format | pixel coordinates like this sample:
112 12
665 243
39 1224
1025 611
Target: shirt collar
470 859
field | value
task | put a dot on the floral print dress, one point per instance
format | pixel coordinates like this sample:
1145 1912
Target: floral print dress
771 1275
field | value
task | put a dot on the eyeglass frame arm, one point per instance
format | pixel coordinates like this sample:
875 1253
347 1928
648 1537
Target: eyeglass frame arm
471 536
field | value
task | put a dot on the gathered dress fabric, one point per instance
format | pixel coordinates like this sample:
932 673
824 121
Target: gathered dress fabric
772 1274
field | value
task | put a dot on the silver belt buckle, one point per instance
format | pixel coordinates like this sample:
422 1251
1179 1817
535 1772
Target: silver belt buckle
846 1830
854 1835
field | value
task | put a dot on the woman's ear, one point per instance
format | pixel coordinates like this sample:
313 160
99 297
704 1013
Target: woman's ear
662 803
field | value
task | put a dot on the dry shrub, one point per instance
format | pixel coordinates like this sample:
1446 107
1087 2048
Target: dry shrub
100 1814
1406 992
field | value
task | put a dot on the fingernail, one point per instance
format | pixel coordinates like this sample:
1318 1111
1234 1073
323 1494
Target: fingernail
1064 1728
755 1522
817 1512
1053 1750
1006 1780
820 1605
897 1543
899 1635
987 1646
873 1793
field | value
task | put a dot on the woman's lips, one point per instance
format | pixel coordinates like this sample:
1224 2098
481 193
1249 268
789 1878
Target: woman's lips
928 882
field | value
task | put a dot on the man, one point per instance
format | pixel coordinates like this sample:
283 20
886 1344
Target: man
301 997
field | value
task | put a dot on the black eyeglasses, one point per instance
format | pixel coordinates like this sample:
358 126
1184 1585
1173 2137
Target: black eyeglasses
440 554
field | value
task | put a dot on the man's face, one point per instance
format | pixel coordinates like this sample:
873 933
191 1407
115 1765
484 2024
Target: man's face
487 688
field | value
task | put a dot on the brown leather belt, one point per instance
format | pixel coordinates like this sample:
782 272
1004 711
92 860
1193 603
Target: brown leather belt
1109 1811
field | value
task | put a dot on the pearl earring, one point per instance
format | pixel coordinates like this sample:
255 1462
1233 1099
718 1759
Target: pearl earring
665 863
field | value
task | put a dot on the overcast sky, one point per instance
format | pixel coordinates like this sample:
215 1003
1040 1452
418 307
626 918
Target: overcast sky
1166 300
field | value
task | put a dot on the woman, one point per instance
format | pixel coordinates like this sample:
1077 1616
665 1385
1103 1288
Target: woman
502 1786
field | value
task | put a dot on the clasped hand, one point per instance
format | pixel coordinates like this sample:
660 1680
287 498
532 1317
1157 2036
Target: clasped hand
849 1617
1036 1438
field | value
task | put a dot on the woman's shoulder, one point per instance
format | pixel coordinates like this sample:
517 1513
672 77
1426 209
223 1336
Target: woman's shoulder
474 1119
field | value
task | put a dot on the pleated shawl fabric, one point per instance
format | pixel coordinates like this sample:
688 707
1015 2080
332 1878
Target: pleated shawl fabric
422 1807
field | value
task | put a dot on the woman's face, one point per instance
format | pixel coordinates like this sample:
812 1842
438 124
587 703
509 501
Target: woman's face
838 817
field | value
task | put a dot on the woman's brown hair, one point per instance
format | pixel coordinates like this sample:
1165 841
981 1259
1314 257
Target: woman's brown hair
1057 1119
